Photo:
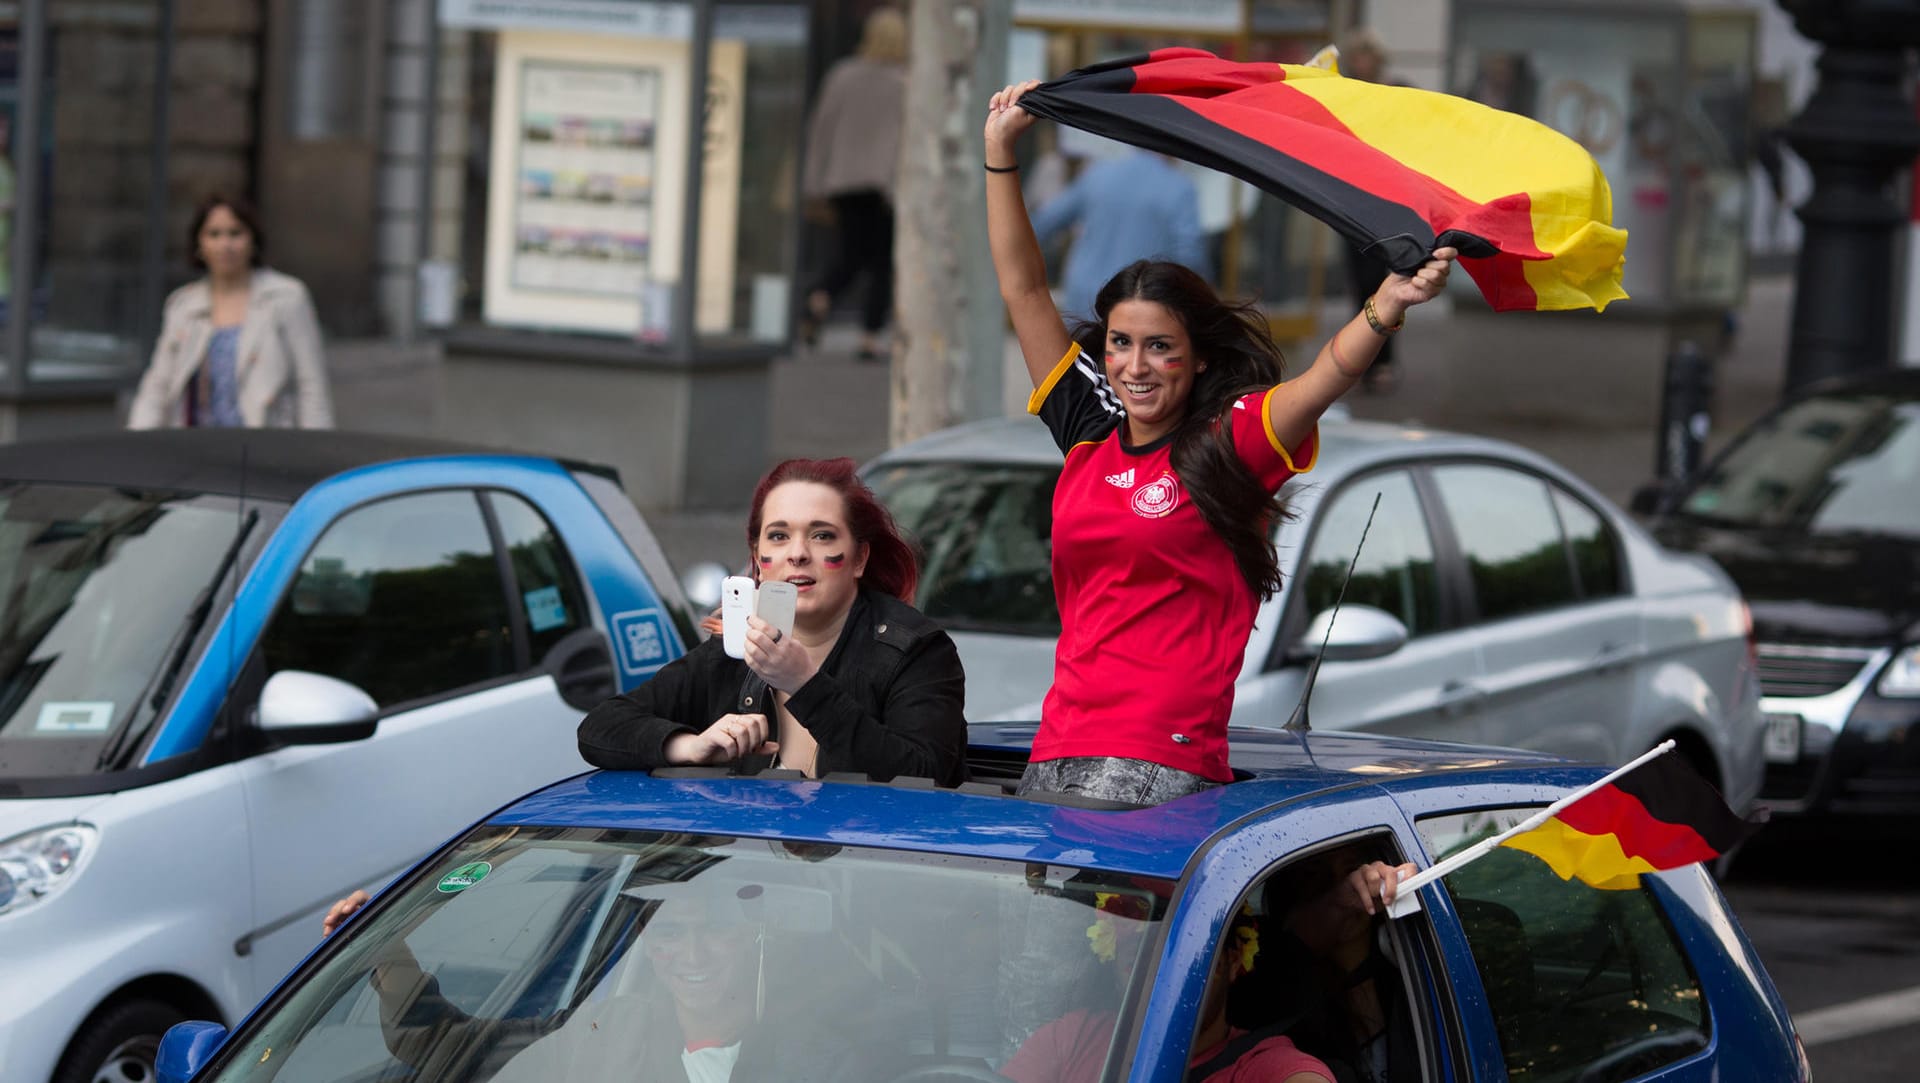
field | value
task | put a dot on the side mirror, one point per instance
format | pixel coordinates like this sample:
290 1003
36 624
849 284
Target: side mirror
1360 633
701 583
300 708
186 1048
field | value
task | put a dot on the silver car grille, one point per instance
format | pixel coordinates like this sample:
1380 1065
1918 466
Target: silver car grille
1788 669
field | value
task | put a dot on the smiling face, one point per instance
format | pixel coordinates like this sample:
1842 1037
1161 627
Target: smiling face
804 540
706 965
225 243
1151 366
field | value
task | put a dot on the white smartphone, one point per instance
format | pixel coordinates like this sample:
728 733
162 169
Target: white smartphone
774 604
736 601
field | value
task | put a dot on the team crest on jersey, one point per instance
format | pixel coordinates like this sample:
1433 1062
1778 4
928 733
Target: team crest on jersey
1157 498
1122 480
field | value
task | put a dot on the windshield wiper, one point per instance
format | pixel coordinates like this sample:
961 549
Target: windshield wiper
181 646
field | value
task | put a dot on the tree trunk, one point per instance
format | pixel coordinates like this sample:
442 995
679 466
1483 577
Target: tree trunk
938 188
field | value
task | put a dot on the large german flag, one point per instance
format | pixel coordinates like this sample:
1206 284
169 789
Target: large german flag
1396 170
1660 815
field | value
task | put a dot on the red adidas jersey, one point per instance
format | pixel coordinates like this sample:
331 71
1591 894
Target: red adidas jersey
1154 613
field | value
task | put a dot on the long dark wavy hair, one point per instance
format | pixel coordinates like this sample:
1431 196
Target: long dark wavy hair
892 566
1241 357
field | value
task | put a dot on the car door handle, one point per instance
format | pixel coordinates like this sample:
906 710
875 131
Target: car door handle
1457 696
1611 656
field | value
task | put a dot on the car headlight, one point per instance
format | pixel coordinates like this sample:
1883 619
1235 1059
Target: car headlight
36 865
1902 675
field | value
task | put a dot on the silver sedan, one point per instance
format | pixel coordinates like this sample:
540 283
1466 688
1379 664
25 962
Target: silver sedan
1498 600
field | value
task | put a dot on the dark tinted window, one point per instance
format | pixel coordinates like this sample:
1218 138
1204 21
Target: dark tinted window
550 594
1395 571
1834 464
986 537
1584 984
1595 557
1509 536
401 597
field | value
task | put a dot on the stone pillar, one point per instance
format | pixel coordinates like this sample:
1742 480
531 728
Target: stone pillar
1857 133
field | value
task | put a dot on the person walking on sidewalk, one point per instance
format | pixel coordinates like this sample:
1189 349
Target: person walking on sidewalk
1144 207
239 347
853 153
1163 514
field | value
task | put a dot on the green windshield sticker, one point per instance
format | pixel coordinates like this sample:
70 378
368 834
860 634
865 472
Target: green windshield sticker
465 877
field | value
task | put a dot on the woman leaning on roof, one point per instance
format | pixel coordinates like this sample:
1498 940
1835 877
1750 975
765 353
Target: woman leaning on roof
866 683
1163 515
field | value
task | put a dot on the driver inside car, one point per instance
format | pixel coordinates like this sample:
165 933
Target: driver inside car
694 1005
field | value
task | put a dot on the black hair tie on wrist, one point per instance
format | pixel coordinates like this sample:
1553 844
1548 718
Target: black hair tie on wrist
1001 168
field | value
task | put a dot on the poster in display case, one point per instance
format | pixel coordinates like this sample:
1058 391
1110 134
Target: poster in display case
583 221
591 136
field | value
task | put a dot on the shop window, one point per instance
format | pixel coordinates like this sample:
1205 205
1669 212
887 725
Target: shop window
565 196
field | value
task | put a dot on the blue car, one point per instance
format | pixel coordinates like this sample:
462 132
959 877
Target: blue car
694 924
244 673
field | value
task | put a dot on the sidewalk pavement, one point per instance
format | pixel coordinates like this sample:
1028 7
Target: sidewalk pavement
829 403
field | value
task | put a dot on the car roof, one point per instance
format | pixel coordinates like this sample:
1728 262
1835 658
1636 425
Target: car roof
981 821
1344 443
265 464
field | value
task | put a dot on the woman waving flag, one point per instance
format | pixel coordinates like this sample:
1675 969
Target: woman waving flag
1398 171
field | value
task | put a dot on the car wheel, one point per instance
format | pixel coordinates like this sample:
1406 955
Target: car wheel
119 1044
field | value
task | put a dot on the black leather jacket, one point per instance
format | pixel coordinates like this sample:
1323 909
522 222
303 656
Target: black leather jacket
888 701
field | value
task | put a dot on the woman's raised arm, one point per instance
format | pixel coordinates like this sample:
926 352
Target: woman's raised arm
1016 251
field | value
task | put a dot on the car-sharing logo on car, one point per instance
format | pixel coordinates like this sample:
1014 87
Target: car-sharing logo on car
641 636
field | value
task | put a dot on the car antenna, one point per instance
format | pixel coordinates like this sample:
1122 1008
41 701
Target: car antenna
1298 722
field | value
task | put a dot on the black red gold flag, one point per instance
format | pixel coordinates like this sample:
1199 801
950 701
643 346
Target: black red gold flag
1397 170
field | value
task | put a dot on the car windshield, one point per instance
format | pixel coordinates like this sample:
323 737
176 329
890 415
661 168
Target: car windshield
587 954
100 590
986 535
1832 464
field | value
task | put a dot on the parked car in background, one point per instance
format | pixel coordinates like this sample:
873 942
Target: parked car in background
897 933
1815 511
243 673
1498 600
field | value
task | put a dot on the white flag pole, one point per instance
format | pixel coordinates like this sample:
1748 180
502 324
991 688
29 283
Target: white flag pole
1404 902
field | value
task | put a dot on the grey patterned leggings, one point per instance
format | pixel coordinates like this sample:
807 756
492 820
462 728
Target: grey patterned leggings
1111 778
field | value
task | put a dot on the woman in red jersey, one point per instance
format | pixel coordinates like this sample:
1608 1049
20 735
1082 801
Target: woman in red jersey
1163 515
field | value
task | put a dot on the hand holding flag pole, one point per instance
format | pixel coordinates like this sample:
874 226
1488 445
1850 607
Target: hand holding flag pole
1645 816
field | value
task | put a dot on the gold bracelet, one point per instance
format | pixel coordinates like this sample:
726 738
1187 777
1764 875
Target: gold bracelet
1373 320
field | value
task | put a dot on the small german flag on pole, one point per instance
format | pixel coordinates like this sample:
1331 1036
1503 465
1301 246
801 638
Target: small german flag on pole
1655 813
1397 170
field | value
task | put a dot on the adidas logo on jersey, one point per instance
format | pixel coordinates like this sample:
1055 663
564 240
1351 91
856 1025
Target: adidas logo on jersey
1123 481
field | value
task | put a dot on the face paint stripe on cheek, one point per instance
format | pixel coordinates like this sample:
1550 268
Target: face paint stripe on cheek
835 560
765 559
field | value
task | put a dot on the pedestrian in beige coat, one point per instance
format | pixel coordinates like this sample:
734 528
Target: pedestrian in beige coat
239 347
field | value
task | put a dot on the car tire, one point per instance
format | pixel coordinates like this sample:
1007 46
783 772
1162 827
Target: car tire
118 1044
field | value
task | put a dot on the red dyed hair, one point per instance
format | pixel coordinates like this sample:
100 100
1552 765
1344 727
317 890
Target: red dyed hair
892 566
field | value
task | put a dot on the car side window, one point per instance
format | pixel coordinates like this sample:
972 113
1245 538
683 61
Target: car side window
1584 984
986 537
550 595
401 597
1310 977
1396 567
1596 558
1510 537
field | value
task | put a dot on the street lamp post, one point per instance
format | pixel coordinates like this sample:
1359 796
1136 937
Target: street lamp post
1856 133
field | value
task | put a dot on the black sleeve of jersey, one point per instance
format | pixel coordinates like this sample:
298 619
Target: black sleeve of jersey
1081 405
